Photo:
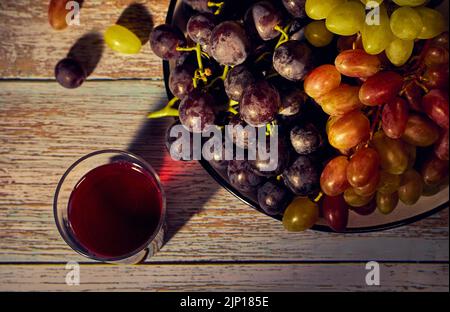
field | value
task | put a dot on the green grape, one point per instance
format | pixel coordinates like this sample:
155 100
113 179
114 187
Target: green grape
319 9
406 23
376 33
367 1
356 200
410 2
122 40
317 34
399 51
300 215
433 23
393 153
389 183
386 203
411 187
346 19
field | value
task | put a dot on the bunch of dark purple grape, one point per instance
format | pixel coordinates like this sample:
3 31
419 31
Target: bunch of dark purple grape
242 64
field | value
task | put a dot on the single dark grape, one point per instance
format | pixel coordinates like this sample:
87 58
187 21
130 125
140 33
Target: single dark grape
292 101
180 80
200 27
295 7
260 103
199 5
297 29
233 134
237 80
272 167
293 60
229 44
164 41
306 139
184 137
69 73
273 198
218 160
197 111
242 177
302 177
266 17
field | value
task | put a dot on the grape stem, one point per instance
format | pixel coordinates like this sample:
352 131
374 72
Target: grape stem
284 36
218 5
224 76
233 111
200 73
375 122
233 103
318 198
167 111
261 57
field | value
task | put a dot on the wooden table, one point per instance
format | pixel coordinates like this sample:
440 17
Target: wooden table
215 241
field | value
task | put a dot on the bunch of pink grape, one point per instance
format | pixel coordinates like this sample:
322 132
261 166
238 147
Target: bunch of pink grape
381 125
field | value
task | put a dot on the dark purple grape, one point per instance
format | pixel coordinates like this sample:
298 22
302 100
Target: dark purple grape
273 166
238 79
200 27
297 29
273 198
186 140
69 73
197 111
295 7
260 103
306 139
180 80
164 41
199 5
302 177
218 160
266 17
293 60
246 140
292 101
242 177
229 44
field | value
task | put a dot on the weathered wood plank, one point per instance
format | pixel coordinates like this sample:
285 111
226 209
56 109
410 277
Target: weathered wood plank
252 277
45 128
31 48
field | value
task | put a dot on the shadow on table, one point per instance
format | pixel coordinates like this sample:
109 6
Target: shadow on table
186 184
138 19
88 51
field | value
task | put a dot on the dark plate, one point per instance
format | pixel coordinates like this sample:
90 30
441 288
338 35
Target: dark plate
403 215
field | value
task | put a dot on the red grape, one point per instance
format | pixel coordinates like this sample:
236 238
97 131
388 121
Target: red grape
349 130
441 148
165 39
435 105
266 17
436 56
436 77
420 131
293 60
357 63
322 80
434 170
341 100
197 111
381 88
333 180
395 117
229 44
363 166
413 94
335 212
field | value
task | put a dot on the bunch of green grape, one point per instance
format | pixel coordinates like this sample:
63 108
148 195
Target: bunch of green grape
385 27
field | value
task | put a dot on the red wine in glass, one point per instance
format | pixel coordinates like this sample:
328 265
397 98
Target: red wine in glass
114 209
